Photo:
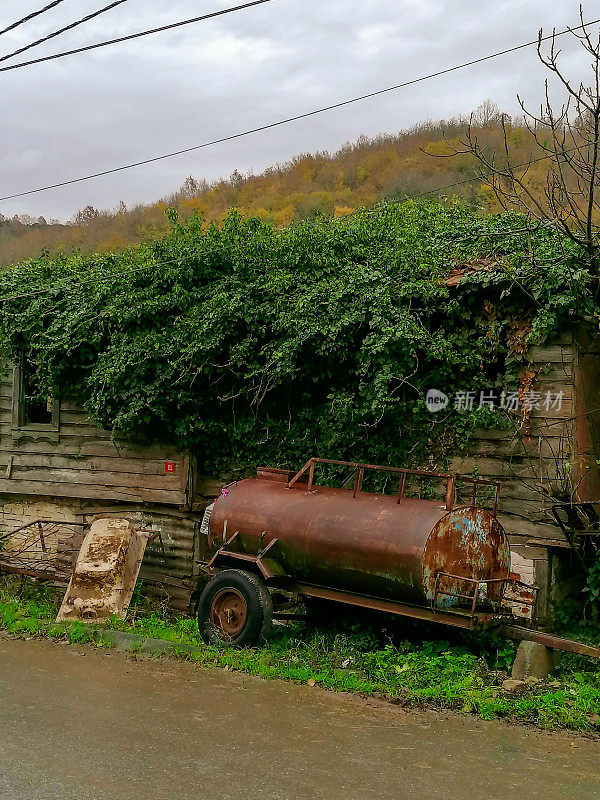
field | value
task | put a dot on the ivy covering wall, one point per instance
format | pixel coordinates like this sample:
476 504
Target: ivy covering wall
253 345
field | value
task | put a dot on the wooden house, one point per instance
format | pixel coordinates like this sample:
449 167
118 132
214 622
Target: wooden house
57 464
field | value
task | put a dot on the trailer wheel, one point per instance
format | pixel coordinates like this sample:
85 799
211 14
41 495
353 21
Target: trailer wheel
235 609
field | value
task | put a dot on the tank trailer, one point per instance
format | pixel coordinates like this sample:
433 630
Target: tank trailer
435 561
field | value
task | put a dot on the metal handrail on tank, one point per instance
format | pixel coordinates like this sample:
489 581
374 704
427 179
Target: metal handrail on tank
449 477
473 598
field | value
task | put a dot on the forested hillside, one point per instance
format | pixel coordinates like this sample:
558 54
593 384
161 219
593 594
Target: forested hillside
389 167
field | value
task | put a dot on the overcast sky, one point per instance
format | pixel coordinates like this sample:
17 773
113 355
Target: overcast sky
84 113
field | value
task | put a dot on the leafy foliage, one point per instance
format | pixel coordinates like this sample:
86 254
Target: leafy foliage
248 344
593 581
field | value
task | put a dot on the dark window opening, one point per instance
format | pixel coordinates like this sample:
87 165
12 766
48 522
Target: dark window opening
34 408
36 405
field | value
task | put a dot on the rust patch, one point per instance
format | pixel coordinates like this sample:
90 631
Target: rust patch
468 542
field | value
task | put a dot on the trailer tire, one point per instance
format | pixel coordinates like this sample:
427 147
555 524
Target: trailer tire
235 609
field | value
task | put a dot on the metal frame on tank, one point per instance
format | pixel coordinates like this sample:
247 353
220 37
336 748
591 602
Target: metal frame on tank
359 472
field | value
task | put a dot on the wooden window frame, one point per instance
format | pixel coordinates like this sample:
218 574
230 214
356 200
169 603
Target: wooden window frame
36 430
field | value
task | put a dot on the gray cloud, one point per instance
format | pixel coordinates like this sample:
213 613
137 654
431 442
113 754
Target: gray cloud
136 100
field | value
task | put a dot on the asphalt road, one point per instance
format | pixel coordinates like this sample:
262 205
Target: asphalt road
81 724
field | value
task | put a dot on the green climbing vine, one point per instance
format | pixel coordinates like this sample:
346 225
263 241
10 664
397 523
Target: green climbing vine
249 344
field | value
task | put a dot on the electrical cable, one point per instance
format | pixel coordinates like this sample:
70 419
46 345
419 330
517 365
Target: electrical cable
95 279
63 30
511 167
134 35
278 123
31 16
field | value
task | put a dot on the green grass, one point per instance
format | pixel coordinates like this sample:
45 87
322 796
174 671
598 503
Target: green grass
406 663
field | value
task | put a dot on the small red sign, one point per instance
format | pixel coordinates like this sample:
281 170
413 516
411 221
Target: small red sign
169 466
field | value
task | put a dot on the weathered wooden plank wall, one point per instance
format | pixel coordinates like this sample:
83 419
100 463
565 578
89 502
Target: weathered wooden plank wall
85 462
535 463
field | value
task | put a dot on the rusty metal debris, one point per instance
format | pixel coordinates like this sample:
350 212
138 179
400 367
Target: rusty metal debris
580 524
100 564
471 267
43 549
578 520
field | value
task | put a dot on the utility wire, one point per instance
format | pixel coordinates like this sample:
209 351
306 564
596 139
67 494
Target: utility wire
134 35
281 122
511 167
258 2
63 30
357 212
31 16
93 279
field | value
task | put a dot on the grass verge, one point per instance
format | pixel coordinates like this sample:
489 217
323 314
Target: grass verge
405 663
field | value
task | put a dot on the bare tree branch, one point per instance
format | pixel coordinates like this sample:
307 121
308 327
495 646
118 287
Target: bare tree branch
568 139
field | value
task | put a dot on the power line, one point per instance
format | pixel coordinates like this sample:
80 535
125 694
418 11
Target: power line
258 2
374 210
358 211
31 16
93 279
63 30
134 36
281 122
512 167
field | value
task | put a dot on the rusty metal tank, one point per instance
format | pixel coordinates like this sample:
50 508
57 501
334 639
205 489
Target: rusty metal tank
394 547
